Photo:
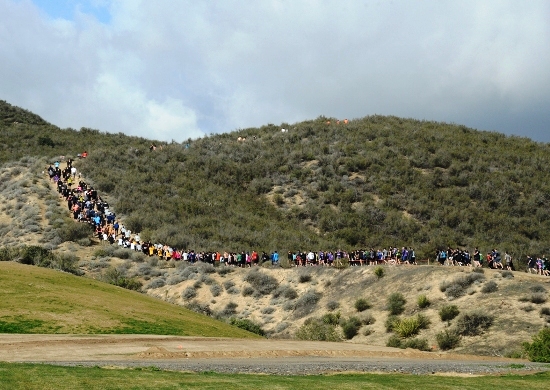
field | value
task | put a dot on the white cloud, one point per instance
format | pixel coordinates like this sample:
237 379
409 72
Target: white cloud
168 69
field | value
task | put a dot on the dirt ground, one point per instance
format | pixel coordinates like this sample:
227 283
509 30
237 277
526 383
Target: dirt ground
75 348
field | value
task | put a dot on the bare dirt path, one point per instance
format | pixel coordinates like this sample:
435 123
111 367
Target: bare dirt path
235 355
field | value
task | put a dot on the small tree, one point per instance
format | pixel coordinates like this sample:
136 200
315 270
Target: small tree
396 303
539 349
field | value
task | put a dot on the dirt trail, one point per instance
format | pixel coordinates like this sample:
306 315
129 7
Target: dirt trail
236 355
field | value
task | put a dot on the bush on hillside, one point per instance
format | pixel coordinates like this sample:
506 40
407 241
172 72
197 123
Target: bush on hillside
316 330
472 324
216 290
448 339
248 325
304 278
332 305
306 303
361 304
538 298
350 327
538 350
448 312
537 288
189 293
229 310
410 326
198 307
396 303
489 287
331 318
390 322
262 283
422 301
286 291
379 271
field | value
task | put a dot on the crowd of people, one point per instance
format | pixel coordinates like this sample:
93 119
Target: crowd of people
87 206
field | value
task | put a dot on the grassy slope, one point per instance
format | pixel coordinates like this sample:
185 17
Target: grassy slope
43 377
37 300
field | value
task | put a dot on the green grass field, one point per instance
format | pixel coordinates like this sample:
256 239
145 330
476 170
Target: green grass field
39 300
44 377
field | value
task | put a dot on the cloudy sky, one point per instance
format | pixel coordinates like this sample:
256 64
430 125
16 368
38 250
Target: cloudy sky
174 69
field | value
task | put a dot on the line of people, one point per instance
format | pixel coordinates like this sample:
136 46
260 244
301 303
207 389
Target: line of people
87 206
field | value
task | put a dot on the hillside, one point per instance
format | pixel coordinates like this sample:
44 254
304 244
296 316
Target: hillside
39 300
374 182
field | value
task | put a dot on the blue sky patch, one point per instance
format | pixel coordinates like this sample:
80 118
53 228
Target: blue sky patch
67 9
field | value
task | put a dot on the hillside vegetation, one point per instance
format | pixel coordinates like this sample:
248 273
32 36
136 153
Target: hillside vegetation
376 181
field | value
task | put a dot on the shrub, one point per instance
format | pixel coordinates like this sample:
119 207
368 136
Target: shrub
264 284
458 286
189 293
281 326
117 276
416 343
472 324
489 287
285 291
75 231
368 320
454 291
288 306
268 310
539 349
229 310
350 327
537 288
122 253
478 270
545 311
379 271
422 301
448 312
304 278
368 331
390 322
222 271
175 279
247 325
396 303
247 291
538 298
507 274
197 284
233 290
306 303
216 290
407 327
316 330
331 318
205 268
201 308
394 341
362 304
156 283
448 339
527 308
228 284
207 280
332 305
